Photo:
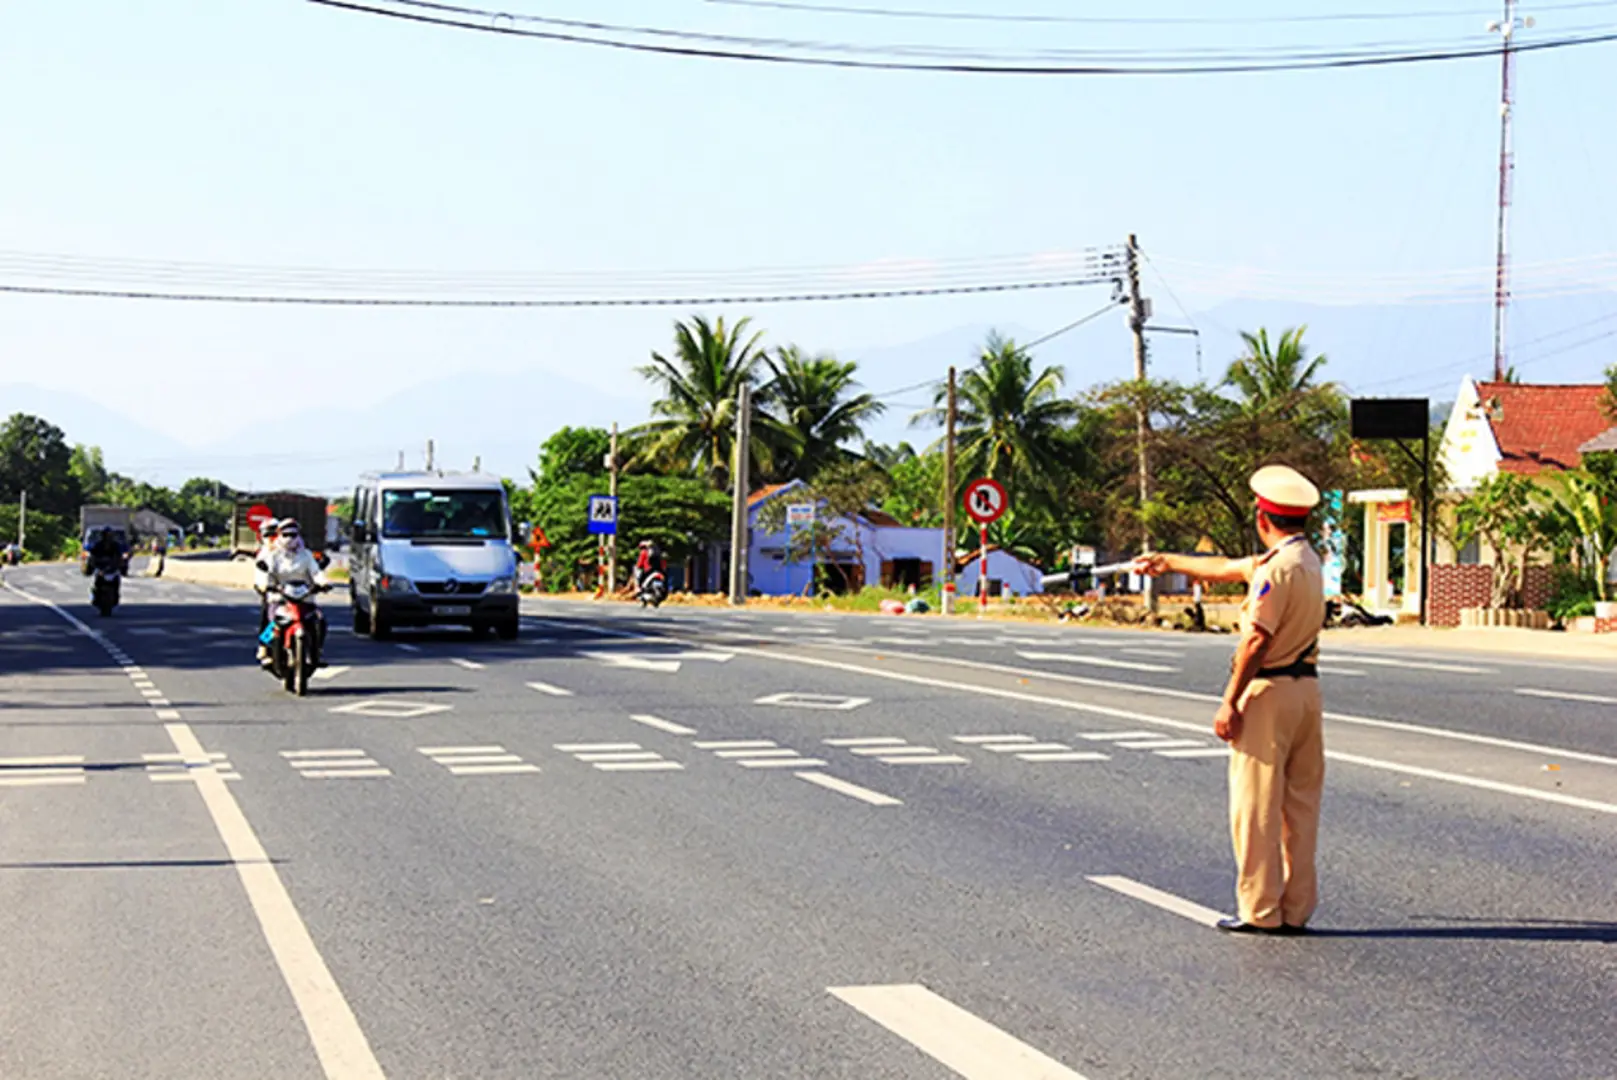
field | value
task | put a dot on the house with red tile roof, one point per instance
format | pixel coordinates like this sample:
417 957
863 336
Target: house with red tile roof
1535 430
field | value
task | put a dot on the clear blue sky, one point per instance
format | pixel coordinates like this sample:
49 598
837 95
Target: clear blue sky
275 132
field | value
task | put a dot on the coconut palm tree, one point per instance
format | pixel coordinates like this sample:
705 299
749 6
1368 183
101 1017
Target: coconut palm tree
1009 419
1269 374
818 411
693 425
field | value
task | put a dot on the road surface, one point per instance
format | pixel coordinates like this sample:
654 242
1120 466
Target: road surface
705 843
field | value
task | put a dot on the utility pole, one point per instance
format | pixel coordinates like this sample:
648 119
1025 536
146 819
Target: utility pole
1506 29
401 461
429 455
947 595
22 520
738 510
612 539
1139 312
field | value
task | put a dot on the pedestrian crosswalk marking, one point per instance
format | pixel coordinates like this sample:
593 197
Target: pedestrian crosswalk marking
890 750
171 767
341 764
478 760
48 770
1107 736
619 757
1197 752
1027 748
759 754
1159 743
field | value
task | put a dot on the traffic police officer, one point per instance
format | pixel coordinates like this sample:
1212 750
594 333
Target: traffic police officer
1271 714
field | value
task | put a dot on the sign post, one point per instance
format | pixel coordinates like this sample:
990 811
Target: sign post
798 515
603 522
986 502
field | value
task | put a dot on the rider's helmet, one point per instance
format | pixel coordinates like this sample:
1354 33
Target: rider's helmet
291 534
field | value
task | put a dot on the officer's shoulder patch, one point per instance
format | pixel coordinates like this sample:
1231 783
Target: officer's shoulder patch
1267 585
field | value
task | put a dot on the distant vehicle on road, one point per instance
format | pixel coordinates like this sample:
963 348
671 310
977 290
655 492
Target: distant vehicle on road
97 516
308 510
430 548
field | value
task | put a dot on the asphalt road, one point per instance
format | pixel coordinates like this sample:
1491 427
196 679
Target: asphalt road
714 844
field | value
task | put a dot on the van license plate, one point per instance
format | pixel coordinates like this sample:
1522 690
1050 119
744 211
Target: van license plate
451 609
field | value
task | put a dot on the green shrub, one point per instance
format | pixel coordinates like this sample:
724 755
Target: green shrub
1571 595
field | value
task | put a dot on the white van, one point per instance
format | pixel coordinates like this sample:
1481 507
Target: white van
432 547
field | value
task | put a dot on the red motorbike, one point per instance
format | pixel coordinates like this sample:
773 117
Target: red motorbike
295 634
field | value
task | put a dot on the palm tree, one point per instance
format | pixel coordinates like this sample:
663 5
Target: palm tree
693 425
1009 420
1266 375
814 401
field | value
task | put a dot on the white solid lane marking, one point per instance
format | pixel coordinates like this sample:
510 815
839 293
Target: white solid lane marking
662 725
453 760
1332 669
843 787
492 770
1198 752
340 1044
591 747
326 673
1562 695
793 762
618 755
771 752
875 740
434 751
48 759
327 773
547 688
293 755
1476 782
962 1041
1097 661
1415 665
893 751
44 778
1020 748
734 744
639 766
469 665
1157 898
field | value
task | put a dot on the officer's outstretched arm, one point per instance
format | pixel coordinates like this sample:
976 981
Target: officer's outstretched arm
1200 567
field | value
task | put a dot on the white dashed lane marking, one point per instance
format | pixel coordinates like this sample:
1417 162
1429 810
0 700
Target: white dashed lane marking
1563 695
547 688
662 725
853 791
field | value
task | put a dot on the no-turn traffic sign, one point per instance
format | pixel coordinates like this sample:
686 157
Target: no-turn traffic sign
985 501
257 514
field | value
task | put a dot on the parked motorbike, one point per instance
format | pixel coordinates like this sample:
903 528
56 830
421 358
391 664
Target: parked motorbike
653 589
104 588
295 634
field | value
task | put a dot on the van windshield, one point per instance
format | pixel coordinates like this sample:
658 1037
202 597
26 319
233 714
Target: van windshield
443 514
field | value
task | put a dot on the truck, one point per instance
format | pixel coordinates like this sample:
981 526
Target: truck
97 516
308 510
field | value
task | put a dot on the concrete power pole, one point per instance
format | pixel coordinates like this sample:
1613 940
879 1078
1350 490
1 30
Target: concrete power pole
947 595
429 455
738 511
22 520
612 540
1139 312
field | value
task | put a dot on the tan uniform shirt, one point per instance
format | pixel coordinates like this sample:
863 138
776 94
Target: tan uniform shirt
1287 599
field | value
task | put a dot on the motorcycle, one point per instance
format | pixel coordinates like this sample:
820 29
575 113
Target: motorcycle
294 635
105 587
653 589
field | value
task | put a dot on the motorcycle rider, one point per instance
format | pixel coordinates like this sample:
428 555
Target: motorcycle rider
266 545
648 562
106 551
289 561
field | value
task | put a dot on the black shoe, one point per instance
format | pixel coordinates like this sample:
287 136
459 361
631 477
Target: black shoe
1234 925
1288 930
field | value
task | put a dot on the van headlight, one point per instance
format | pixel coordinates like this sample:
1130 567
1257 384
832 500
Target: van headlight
394 583
502 586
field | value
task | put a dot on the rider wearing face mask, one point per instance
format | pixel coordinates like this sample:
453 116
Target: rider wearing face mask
287 561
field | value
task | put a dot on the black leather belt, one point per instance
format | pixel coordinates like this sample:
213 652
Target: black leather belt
1297 669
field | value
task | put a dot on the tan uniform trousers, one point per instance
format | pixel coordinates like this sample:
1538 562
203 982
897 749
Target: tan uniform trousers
1277 773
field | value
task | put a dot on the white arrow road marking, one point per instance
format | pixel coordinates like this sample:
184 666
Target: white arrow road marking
1097 661
961 1041
666 663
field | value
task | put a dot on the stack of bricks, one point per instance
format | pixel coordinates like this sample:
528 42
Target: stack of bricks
1457 586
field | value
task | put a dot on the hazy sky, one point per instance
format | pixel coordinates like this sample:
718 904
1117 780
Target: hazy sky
272 132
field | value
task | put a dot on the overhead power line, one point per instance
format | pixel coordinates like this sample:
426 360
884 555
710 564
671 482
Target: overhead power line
893 58
1133 20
